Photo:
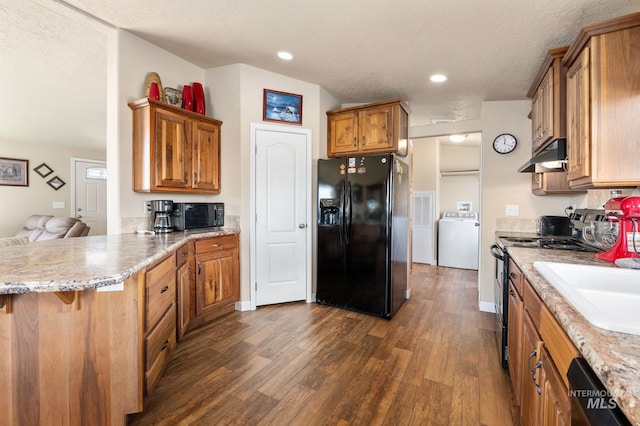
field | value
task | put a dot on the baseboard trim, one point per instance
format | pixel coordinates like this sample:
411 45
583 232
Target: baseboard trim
487 307
243 305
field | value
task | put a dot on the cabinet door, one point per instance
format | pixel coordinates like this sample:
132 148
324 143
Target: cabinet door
531 363
172 143
556 404
184 298
546 109
536 120
343 128
206 157
514 341
578 118
376 129
217 280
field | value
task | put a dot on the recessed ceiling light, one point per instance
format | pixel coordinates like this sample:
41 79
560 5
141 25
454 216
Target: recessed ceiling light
438 78
457 138
285 55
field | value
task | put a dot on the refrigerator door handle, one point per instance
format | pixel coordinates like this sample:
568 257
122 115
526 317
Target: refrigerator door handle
341 216
347 214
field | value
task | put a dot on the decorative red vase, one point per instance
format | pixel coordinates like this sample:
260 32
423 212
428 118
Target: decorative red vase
154 92
187 98
198 98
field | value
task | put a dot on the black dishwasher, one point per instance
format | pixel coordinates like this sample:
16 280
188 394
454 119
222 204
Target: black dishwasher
591 403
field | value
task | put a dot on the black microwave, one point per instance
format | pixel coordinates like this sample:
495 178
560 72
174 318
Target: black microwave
197 215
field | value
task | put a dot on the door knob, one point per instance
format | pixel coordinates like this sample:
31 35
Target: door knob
79 216
302 225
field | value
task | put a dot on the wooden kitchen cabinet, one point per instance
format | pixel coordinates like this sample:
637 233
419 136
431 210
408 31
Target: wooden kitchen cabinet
547 92
544 352
552 183
185 290
160 318
530 367
603 102
217 277
515 335
174 150
377 128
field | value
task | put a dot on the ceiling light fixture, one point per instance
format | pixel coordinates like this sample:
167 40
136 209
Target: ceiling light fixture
285 55
438 78
457 138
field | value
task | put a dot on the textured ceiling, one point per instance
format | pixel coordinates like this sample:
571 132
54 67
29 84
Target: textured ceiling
359 51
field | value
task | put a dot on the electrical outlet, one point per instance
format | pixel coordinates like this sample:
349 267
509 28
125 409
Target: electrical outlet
512 210
147 207
572 207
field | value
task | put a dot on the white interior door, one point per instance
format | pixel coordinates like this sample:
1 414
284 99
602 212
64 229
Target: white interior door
282 220
89 202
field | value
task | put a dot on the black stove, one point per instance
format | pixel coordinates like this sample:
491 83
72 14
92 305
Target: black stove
548 242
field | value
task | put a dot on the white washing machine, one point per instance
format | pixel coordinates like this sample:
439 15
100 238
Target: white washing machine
458 238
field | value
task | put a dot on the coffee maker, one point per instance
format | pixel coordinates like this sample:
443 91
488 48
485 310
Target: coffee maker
161 210
626 211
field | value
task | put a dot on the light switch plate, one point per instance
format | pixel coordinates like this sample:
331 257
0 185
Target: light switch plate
512 210
58 204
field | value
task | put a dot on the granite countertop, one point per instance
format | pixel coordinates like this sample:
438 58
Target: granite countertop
84 263
613 356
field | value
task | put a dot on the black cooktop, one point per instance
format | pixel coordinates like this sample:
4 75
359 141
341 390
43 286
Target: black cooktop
548 242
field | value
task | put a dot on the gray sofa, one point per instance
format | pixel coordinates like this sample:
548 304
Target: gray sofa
46 227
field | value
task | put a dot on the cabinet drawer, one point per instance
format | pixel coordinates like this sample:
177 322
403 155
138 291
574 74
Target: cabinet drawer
160 290
182 255
224 242
559 345
158 345
532 303
515 276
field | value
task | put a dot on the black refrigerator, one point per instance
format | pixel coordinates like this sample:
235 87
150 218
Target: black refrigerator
363 231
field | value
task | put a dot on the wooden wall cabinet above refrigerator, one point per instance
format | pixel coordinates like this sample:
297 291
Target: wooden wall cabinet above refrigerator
548 100
603 104
377 128
174 150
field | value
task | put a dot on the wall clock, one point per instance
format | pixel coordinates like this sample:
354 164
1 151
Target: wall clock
504 143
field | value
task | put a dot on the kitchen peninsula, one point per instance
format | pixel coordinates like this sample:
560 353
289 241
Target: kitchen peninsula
87 324
613 356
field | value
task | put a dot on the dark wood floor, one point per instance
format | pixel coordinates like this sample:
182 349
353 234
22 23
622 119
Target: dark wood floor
434 363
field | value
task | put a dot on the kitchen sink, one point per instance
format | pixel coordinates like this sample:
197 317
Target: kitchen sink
607 297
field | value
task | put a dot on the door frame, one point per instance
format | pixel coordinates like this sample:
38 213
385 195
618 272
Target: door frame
72 201
255 127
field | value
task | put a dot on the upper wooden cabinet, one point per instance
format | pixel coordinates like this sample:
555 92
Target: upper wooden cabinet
603 104
377 128
174 150
548 100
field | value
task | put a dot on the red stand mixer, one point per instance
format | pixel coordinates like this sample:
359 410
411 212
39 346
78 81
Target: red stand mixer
626 210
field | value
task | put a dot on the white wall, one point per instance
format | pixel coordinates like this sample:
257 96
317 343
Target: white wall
37 198
237 93
135 58
501 184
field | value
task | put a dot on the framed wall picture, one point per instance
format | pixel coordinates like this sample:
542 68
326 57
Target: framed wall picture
14 172
55 182
464 206
282 107
43 170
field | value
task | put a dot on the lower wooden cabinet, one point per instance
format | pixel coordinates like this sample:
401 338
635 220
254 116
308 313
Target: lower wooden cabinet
531 363
160 318
217 277
199 282
514 341
538 366
185 290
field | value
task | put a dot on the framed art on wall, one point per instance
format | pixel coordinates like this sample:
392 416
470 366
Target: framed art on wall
14 172
282 107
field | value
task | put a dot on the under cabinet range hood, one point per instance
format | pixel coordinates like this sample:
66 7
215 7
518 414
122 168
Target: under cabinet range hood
551 159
